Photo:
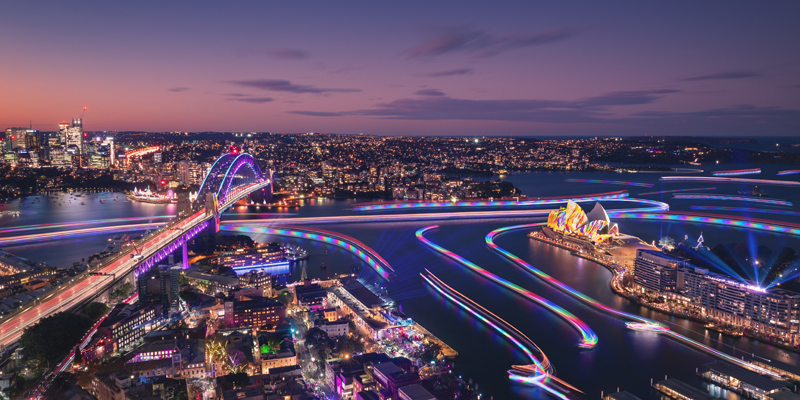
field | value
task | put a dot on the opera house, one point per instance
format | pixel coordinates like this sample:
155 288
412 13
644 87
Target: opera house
571 220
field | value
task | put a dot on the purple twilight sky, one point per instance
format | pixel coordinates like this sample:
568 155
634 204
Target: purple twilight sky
405 68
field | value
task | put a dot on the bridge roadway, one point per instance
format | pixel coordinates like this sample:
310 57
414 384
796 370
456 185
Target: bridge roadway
83 290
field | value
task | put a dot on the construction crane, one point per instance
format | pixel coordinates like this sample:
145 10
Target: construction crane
84 112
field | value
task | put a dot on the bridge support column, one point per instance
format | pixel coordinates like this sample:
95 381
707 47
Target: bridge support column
185 254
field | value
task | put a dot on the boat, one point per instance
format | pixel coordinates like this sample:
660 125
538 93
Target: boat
726 331
82 203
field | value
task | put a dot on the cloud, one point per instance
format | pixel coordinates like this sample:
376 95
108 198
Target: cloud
587 110
737 112
429 92
178 89
450 72
257 100
480 43
287 54
317 113
281 85
725 75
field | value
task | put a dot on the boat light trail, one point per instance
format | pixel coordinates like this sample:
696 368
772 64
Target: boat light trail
43 237
746 210
348 243
725 220
609 182
588 337
728 180
789 172
736 172
23 228
638 324
553 281
404 205
724 197
539 372
676 191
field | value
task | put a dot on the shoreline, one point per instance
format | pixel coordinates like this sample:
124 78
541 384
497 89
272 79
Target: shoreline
635 299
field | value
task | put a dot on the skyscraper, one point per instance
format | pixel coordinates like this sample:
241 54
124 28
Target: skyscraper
72 136
16 138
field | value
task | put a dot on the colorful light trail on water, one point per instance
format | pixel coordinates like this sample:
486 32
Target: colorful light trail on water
725 220
23 228
746 210
676 191
638 323
360 250
736 172
767 182
789 172
609 182
723 197
588 337
539 372
75 233
404 205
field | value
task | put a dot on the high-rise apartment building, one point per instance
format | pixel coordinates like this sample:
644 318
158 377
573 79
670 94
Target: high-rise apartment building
773 312
183 172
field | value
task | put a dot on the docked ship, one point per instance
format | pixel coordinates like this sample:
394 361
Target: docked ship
148 196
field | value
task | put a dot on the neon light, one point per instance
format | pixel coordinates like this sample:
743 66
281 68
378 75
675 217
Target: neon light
639 323
736 172
789 172
609 182
734 222
761 200
728 180
589 338
676 191
746 210
348 243
508 203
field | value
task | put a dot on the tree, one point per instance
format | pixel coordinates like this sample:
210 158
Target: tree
285 298
122 292
50 339
427 352
95 310
188 295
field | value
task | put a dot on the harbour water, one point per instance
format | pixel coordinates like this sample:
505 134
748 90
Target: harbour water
622 358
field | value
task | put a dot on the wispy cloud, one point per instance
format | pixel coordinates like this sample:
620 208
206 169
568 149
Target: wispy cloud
287 54
586 110
450 72
281 85
429 92
481 43
738 112
257 100
726 75
317 113
178 89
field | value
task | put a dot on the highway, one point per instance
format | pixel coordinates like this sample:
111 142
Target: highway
81 290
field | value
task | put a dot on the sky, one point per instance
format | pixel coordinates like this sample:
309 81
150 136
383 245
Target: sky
510 68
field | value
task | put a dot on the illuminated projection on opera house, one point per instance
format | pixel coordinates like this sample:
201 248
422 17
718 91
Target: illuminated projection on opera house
595 227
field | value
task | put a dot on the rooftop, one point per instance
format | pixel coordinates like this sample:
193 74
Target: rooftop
750 378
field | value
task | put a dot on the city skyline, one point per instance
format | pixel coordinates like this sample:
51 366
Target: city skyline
412 69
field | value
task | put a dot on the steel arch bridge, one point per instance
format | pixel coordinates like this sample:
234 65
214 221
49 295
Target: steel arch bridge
231 171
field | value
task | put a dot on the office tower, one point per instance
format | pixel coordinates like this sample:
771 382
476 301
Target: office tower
16 139
72 136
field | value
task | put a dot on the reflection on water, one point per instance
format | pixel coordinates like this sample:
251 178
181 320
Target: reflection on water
622 358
